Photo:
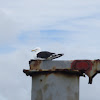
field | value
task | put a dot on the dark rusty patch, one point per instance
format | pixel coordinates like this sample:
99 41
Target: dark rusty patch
35 65
40 69
69 92
49 98
77 96
39 95
45 87
96 63
40 80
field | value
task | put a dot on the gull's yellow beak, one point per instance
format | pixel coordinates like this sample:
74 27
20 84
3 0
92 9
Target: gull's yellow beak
33 50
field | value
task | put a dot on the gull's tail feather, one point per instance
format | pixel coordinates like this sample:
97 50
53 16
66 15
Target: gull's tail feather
54 56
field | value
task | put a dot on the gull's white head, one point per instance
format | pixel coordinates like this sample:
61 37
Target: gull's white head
37 49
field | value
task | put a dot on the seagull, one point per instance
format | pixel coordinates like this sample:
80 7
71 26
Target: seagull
45 55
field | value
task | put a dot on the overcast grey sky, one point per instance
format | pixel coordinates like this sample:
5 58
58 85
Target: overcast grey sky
67 26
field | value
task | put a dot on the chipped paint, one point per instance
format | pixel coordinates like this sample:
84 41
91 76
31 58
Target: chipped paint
39 64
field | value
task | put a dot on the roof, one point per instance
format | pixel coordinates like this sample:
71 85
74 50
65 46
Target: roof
78 67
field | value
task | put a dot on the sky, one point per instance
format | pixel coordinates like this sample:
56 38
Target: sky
64 26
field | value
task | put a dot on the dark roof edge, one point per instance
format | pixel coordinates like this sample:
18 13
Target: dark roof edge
64 71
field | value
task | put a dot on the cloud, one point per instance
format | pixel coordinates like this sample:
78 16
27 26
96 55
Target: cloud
33 15
8 28
2 97
23 16
12 77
